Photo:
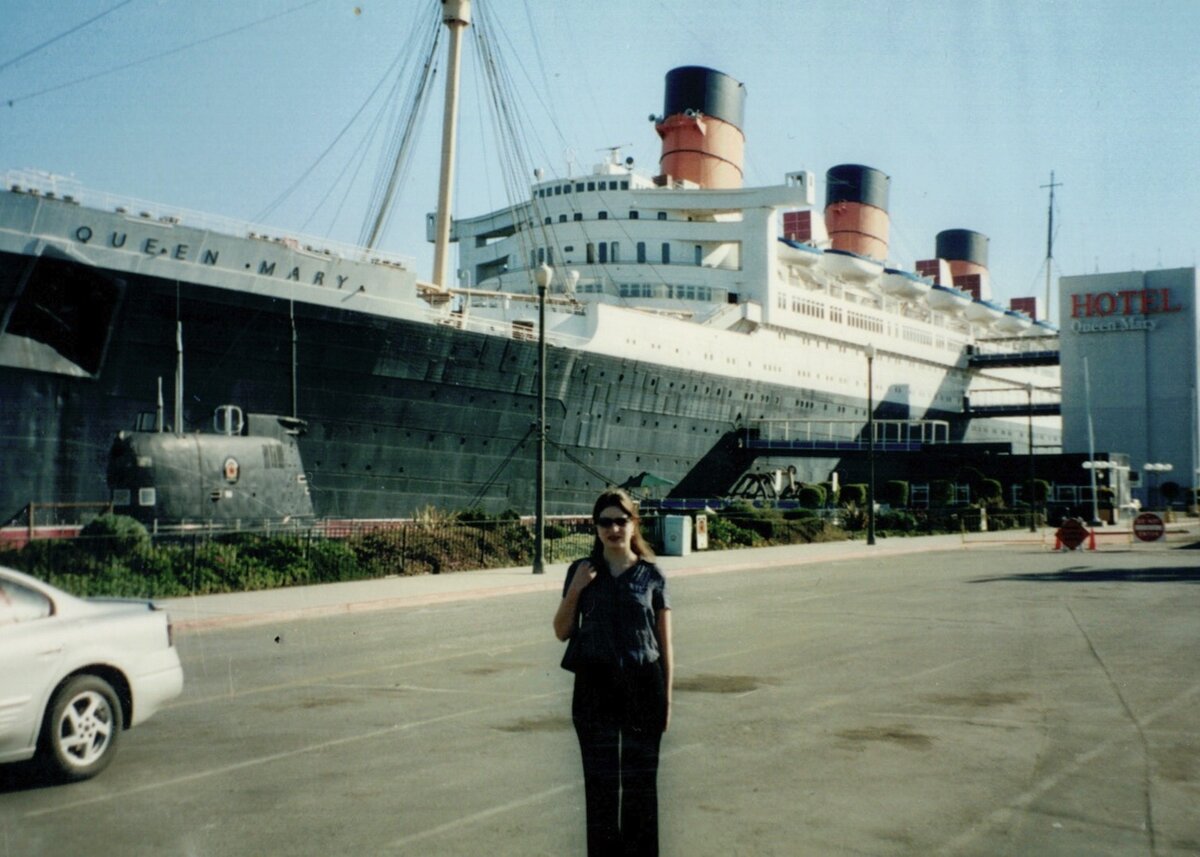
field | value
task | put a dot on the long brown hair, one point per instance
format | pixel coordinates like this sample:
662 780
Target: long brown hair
617 497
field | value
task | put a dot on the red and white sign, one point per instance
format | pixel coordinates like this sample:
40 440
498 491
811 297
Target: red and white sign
1072 533
1148 527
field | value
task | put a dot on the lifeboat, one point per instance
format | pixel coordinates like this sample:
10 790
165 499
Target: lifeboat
798 253
984 312
949 299
1014 322
852 267
904 285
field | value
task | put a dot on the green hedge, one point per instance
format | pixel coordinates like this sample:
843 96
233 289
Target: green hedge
115 556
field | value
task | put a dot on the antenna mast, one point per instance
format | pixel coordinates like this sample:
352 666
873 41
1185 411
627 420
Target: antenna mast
456 15
1050 240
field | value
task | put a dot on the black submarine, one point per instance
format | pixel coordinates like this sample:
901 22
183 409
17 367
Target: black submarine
246 473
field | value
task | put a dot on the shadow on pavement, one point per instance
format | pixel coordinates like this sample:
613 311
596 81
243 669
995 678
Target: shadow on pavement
23 777
1190 574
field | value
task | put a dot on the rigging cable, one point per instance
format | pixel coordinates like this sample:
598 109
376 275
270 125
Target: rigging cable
161 54
63 35
491 480
395 159
275 203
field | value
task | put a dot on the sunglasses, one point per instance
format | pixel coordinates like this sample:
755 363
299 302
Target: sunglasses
605 523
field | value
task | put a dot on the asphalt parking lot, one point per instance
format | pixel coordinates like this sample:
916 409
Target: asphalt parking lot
1000 700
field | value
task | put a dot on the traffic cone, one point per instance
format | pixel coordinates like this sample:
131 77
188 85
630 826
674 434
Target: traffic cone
1092 539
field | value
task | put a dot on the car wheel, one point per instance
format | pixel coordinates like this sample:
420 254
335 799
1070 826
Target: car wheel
83 723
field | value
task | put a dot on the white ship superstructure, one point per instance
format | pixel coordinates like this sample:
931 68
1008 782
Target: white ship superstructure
660 269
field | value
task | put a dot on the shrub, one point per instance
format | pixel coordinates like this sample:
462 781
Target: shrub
811 496
766 523
1041 491
332 560
990 492
831 495
895 493
724 533
799 514
897 521
941 492
854 517
279 558
379 553
854 495
114 535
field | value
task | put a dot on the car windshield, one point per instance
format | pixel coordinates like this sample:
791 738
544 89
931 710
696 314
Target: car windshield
20 603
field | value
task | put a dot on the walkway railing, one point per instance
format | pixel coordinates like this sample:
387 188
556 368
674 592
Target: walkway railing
843 433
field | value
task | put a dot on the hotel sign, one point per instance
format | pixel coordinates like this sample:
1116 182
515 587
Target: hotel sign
1104 312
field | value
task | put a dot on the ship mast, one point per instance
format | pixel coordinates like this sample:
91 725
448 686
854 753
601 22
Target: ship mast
456 15
1050 239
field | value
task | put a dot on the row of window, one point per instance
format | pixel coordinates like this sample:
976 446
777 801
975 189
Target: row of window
603 252
805 306
864 322
671 291
600 215
580 187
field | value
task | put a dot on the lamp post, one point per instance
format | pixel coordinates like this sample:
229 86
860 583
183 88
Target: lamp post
542 277
1155 467
1032 498
870 445
1092 467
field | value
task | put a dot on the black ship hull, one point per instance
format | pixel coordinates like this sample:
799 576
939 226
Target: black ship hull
401 415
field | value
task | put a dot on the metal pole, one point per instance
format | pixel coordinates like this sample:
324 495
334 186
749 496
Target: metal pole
870 445
1087 399
456 15
1032 498
543 276
295 390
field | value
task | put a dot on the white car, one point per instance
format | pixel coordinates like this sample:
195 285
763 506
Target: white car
75 672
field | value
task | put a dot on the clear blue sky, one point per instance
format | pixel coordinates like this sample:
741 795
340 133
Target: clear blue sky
967 105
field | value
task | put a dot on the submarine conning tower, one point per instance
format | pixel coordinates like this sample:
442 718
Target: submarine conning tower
856 210
966 252
701 127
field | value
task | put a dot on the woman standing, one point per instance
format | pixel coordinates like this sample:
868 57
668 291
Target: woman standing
616 615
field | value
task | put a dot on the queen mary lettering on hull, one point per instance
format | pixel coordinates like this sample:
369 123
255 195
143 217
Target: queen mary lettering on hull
675 316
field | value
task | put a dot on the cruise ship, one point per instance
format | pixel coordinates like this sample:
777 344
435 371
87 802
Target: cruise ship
679 307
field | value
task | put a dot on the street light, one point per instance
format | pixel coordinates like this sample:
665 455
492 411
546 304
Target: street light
1103 466
1032 490
1155 467
542 277
870 445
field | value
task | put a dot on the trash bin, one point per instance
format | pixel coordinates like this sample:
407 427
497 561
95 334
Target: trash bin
677 535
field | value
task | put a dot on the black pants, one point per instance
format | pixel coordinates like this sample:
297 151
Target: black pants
619 717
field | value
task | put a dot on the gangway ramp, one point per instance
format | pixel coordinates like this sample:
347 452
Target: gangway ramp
1014 351
824 436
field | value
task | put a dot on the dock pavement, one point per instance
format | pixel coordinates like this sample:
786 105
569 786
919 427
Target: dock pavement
198 613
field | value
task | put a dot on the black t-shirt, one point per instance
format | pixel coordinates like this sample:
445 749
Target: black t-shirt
617 616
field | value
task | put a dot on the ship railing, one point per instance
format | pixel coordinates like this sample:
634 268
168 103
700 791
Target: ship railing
70 190
907 431
1029 344
1015 396
50 521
